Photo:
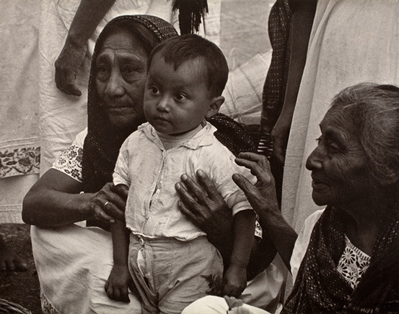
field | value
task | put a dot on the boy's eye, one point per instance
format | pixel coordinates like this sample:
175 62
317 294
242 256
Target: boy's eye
180 97
154 90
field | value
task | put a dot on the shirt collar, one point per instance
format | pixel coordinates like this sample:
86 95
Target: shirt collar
203 138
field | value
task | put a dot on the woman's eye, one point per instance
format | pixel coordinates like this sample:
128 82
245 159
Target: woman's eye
128 70
333 147
102 73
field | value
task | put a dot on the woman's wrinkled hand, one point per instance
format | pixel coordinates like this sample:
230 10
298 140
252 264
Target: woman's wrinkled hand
201 203
262 195
109 203
280 135
67 66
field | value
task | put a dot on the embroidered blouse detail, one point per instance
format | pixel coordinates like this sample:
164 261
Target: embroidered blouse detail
353 263
70 162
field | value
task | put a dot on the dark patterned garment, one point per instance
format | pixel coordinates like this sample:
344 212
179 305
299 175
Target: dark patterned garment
353 263
276 79
321 288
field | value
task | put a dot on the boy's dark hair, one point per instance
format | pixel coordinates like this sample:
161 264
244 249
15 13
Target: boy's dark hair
183 48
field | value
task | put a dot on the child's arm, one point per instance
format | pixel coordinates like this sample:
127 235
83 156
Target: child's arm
235 278
119 279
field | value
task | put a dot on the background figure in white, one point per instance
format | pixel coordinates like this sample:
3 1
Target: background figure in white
340 53
19 104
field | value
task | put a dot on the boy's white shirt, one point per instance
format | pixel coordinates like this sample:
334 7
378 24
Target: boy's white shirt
151 209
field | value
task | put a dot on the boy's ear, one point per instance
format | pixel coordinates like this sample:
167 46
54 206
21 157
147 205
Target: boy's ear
215 106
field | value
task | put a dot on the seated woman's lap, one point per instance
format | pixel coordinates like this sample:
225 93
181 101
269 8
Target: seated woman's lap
217 305
77 261
261 294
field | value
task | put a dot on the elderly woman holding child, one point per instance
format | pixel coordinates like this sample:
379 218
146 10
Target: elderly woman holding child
73 261
345 260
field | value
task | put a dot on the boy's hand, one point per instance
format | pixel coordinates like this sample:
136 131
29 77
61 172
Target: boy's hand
118 282
235 280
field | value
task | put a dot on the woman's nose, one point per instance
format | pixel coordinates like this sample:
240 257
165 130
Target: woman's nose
314 160
115 85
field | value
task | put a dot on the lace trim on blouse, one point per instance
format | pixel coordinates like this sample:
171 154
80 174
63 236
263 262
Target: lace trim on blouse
47 306
70 162
353 263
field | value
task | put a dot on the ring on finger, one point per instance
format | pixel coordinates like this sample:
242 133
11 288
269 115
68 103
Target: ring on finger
105 204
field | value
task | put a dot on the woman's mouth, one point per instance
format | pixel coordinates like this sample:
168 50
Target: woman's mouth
120 110
317 183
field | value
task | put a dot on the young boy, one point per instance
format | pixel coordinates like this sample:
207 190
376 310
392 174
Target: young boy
169 258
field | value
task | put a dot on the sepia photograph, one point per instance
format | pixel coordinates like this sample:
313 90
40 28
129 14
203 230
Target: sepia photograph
199 156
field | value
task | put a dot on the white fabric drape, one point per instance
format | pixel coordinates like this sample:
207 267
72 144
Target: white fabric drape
351 42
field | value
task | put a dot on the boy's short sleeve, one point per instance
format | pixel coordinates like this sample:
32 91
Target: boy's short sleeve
223 168
237 200
121 171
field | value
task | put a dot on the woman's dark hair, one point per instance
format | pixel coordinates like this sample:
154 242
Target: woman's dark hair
146 37
180 49
374 111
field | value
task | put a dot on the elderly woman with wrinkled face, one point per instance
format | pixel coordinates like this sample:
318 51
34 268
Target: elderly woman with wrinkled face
74 262
346 258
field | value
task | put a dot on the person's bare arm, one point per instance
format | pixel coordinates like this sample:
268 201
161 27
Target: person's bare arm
87 17
303 12
235 278
119 279
262 197
55 200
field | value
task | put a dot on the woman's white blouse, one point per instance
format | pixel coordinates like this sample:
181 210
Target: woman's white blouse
352 264
70 160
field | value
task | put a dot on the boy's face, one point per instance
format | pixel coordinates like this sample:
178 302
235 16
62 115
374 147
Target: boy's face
176 102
